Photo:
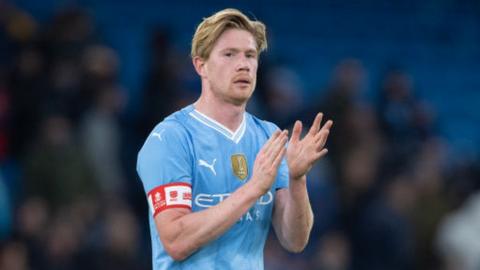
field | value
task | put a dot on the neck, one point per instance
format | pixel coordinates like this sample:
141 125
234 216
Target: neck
227 114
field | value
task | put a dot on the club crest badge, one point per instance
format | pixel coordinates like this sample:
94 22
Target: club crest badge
239 166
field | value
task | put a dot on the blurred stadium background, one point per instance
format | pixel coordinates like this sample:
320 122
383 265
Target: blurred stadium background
83 82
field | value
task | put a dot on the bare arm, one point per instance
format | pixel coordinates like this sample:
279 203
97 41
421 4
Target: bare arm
182 232
293 216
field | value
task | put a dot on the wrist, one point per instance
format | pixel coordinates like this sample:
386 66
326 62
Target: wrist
298 184
255 188
301 178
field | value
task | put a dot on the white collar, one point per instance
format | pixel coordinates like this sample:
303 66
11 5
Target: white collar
235 136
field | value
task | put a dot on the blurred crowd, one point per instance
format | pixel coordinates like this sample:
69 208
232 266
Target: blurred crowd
388 196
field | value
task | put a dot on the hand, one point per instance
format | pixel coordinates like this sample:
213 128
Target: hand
302 153
267 161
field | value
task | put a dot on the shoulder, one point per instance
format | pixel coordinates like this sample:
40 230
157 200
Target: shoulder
268 126
168 130
172 128
169 140
169 136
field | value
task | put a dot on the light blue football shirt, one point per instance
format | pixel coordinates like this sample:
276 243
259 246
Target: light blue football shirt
189 147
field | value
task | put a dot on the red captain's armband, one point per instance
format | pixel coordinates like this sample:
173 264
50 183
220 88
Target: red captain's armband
173 195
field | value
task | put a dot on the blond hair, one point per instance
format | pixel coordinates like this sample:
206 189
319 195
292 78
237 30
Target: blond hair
211 28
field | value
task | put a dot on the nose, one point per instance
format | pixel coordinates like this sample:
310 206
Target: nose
243 64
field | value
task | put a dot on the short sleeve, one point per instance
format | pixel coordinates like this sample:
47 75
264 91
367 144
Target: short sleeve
283 174
282 177
165 157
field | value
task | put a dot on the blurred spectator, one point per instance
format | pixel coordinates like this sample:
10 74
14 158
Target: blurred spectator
458 238
121 249
68 34
404 119
355 143
19 25
359 163
283 95
64 90
100 67
276 258
325 201
32 221
27 88
32 218
333 253
383 236
62 244
100 134
14 256
463 179
55 168
343 94
431 203
164 91
67 41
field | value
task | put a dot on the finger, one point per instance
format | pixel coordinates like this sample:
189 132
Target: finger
279 157
328 125
320 154
297 130
271 143
321 137
277 145
316 124
266 147
320 146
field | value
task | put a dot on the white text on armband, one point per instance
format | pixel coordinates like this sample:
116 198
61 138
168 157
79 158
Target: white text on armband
209 200
173 195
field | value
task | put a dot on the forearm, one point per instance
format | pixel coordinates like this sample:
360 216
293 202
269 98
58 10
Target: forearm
295 218
185 234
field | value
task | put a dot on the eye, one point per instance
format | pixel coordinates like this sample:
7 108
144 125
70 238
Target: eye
251 55
228 54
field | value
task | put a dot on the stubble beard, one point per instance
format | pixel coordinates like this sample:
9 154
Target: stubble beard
229 96
241 99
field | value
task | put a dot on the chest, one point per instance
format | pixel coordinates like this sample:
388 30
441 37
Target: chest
222 166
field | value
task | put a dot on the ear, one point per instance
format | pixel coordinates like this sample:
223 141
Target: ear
199 65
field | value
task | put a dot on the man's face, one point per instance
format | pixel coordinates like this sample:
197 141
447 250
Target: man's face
231 69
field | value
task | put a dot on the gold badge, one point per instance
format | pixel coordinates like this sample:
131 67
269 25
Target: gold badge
239 166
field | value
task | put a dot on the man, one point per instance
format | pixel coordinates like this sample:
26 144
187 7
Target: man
216 176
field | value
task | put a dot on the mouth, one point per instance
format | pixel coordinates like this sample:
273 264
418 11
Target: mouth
242 81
